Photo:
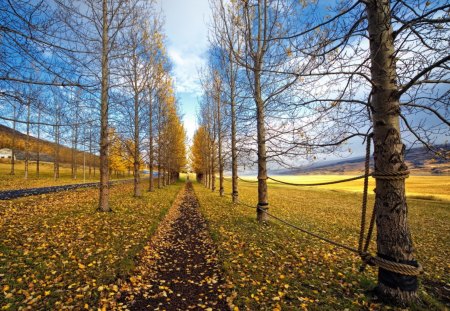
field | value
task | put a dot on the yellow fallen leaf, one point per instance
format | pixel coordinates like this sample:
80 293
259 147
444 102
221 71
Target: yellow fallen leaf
81 266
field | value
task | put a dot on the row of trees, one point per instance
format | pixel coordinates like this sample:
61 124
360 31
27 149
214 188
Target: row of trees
92 75
287 80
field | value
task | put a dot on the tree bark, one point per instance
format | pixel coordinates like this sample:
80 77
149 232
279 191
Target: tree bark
104 144
150 149
219 141
74 151
136 164
90 152
263 204
38 151
27 143
394 240
13 147
56 159
234 177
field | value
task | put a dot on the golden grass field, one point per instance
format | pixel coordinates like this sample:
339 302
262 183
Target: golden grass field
275 267
426 187
17 181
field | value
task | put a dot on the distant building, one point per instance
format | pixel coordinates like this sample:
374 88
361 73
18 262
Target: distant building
6 153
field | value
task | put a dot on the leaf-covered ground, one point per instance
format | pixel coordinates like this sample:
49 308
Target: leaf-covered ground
178 268
57 252
274 267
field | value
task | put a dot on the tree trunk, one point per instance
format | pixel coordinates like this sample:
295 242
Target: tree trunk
90 152
219 141
159 174
393 236
38 151
150 149
27 143
234 179
74 151
213 172
56 159
104 145
136 162
263 204
13 147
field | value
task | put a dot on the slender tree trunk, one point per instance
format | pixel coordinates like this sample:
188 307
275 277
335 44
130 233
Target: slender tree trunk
219 141
90 152
159 175
150 135
159 144
213 160
213 176
136 164
234 177
27 143
38 151
104 145
394 240
13 147
74 152
262 160
56 160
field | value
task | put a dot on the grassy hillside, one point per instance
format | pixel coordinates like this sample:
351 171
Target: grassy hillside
45 148
420 161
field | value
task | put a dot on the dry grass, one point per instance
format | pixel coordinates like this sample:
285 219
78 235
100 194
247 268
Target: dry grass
425 187
17 181
273 266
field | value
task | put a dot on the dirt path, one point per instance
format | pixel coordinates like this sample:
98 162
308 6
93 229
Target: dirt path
179 269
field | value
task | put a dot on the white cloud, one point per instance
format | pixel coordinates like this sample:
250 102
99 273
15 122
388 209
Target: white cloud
186 66
186 27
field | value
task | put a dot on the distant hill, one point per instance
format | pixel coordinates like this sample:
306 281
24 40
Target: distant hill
47 148
420 161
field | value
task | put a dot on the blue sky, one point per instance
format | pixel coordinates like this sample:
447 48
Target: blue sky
186 27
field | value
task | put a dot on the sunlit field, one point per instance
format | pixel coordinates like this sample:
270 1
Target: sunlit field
276 267
17 181
425 187
57 252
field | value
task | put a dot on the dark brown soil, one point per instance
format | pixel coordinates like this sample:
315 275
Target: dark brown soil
185 273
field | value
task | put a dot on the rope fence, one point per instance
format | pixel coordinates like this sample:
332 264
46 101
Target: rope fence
364 239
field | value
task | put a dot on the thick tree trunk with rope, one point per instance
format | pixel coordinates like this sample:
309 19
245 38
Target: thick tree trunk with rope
394 241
